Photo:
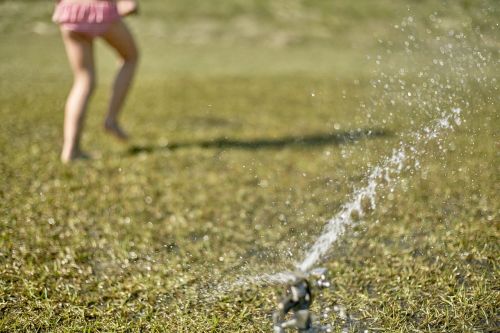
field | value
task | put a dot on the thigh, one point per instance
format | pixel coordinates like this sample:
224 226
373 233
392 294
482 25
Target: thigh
80 51
118 36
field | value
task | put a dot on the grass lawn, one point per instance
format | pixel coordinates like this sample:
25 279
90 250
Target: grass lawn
253 122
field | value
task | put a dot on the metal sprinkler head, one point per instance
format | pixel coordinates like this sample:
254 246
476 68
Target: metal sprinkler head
297 299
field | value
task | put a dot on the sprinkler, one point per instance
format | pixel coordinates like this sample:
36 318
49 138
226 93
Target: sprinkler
298 298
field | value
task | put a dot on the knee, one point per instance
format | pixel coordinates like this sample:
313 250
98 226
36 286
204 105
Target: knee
132 56
86 82
90 84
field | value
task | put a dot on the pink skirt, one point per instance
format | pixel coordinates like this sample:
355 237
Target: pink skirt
90 18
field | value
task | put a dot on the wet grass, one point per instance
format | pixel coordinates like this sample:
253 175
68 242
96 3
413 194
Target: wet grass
250 132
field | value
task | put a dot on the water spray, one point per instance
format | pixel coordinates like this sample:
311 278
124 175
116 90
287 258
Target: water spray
385 174
298 294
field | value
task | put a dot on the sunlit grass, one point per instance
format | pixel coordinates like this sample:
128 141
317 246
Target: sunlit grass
243 147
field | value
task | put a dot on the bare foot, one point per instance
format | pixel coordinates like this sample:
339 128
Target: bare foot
67 158
114 129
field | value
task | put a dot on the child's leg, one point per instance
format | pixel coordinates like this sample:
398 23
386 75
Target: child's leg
120 38
81 58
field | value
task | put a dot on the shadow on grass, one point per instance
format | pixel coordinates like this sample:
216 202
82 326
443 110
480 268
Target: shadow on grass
337 138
